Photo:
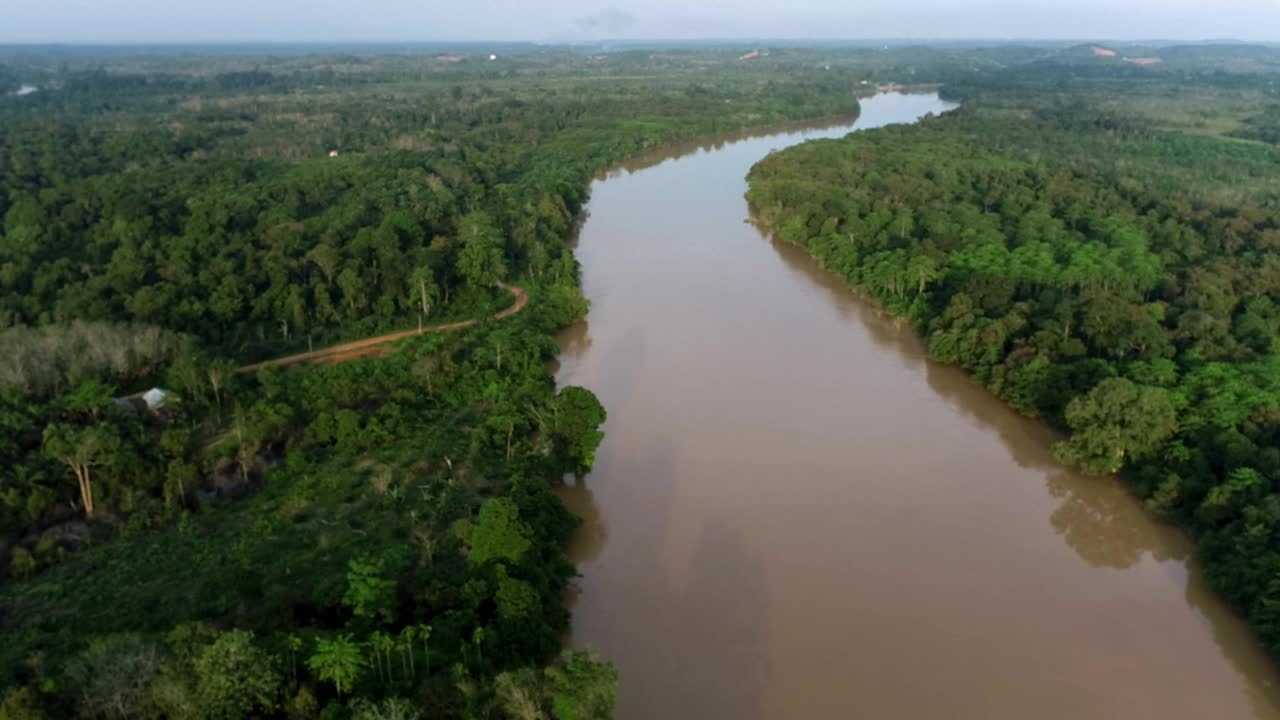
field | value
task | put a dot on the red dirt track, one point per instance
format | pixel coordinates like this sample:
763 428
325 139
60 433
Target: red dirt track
376 346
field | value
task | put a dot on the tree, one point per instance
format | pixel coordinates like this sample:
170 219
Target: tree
221 374
89 399
404 645
382 644
582 687
370 594
1117 419
499 534
187 375
179 476
480 260
302 706
82 450
338 660
112 678
22 564
293 645
1243 487
248 444
922 270
353 291
520 693
423 632
575 432
388 709
22 703
235 678
516 599
579 686
422 288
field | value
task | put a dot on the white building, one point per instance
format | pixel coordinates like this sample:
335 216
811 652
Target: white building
155 398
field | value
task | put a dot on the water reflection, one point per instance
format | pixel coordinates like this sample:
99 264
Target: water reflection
885 330
1105 524
794 514
710 669
576 495
724 576
575 339
1097 517
1230 634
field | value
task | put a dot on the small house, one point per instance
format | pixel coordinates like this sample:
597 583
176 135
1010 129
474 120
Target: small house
155 398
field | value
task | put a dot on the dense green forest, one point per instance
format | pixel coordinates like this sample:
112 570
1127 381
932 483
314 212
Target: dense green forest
373 539
381 538
1094 267
1265 126
211 205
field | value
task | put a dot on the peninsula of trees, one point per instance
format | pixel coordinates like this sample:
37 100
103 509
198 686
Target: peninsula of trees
1097 262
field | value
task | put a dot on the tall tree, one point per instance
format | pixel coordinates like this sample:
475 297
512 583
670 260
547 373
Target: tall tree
480 261
82 450
1117 419
422 288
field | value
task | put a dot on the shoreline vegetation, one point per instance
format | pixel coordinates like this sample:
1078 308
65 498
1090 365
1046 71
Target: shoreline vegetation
1063 254
373 538
379 538
653 156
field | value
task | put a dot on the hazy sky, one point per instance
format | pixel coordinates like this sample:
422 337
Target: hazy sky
116 21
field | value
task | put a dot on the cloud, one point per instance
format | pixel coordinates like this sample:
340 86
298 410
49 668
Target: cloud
610 21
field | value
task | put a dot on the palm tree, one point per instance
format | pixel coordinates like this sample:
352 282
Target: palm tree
405 645
424 634
382 645
339 661
477 638
294 644
377 656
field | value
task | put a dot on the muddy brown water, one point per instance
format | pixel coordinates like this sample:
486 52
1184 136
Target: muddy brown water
796 515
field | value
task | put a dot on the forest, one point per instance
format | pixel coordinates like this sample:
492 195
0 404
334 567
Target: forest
1095 266
1265 126
378 538
381 538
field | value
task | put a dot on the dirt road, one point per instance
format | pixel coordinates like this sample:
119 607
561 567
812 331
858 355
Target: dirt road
377 346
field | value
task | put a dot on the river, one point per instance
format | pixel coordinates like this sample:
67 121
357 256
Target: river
796 515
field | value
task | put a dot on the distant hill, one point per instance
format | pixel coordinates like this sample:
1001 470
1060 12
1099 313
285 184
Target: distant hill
1227 56
1086 54
1237 57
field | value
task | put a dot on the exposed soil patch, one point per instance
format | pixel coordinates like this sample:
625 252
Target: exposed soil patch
376 346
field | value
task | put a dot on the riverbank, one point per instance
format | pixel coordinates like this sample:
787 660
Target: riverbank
793 499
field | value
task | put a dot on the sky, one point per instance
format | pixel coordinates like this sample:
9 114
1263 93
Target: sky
178 21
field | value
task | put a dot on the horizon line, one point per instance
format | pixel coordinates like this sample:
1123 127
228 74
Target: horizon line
639 41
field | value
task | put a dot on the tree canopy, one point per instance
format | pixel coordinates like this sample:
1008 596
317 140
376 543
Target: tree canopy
1119 280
